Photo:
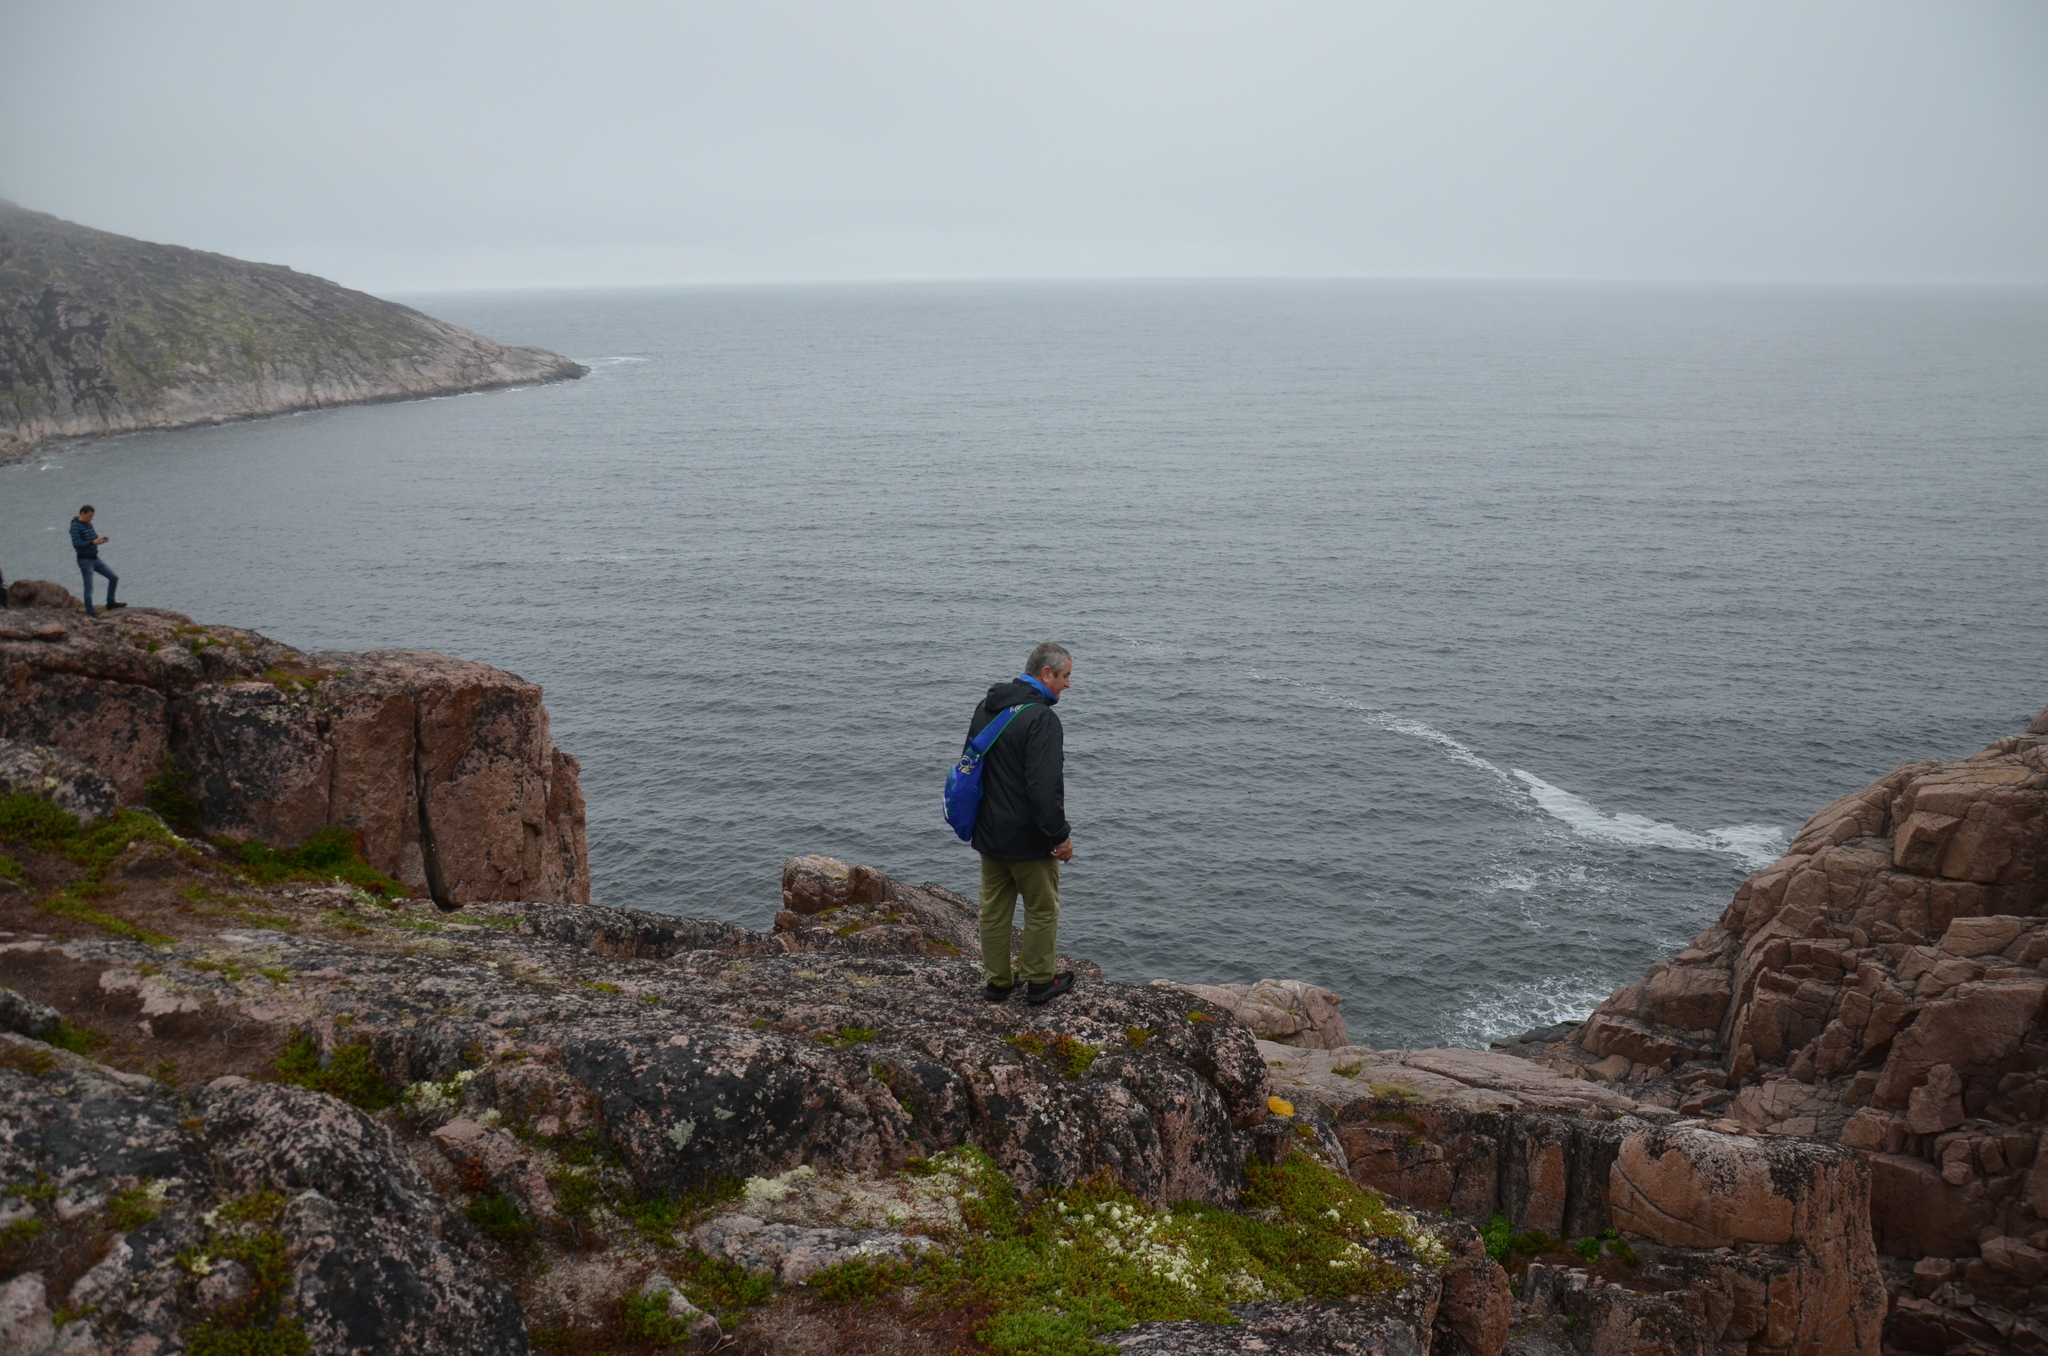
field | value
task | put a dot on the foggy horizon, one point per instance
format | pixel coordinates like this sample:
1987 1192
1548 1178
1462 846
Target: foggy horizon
507 147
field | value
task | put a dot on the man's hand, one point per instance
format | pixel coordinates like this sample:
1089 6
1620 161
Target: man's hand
101 541
1064 852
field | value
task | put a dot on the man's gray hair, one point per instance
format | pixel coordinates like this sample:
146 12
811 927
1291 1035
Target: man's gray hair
1048 654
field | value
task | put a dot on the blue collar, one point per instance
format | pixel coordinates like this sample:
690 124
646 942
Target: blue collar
1050 699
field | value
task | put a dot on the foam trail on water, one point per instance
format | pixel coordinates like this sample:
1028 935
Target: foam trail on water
1401 725
1755 845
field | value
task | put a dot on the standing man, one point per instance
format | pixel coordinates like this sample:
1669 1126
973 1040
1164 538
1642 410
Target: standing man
1021 831
88 547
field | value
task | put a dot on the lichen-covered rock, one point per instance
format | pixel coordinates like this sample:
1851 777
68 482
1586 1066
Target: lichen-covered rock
56 776
793 1253
445 768
368 1284
1688 1187
117 1179
25 1017
1398 1324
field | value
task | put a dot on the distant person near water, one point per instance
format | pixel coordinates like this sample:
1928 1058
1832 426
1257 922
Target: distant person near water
87 546
1021 830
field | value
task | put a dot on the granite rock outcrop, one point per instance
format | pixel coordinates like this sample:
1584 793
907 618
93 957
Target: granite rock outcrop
1667 1234
100 333
444 768
532 1057
1881 987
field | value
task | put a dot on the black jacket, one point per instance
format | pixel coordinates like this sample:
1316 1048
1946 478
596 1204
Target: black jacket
1023 777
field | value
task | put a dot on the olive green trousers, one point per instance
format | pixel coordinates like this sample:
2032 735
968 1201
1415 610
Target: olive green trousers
1001 882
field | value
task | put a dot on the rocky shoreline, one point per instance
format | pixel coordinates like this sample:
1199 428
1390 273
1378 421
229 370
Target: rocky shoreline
242 1101
104 334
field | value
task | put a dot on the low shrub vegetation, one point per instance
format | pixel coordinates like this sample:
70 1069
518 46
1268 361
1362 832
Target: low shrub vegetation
349 1073
244 1230
1060 1270
334 853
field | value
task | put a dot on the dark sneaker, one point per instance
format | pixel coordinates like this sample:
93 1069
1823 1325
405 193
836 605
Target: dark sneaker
112 606
996 993
1037 994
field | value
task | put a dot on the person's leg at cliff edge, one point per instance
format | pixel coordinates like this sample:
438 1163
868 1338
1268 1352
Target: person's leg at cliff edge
1039 883
1021 830
89 568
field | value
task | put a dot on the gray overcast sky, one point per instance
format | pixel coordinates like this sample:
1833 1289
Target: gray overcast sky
428 145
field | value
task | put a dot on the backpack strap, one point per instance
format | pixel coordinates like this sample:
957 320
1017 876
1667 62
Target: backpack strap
993 731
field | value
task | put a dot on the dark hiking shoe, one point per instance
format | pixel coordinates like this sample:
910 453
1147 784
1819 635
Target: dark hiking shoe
1038 994
112 606
996 993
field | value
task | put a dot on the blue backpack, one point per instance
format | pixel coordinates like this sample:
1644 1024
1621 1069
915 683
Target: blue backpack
963 779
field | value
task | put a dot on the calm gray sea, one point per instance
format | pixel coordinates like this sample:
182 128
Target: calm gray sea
1456 646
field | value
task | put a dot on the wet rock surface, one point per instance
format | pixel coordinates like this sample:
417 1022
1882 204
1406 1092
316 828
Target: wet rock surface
444 768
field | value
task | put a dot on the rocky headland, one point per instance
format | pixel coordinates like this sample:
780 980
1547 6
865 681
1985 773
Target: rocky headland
101 333
263 1090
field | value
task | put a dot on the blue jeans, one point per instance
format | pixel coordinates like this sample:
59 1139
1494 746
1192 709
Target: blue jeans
87 569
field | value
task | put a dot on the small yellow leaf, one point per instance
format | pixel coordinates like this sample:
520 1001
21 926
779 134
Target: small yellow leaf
1279 1106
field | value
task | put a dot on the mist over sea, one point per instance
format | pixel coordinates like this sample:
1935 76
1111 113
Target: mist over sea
1459 647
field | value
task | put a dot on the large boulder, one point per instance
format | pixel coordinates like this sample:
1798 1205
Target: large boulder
1284 1011
445 768
42 593
1689 1187
56 776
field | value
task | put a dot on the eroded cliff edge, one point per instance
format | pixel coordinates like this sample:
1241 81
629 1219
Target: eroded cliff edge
101 333
444 768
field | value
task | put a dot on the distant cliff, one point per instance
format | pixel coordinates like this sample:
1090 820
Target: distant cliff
100 333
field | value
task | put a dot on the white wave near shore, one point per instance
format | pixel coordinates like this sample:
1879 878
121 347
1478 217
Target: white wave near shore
1511 1009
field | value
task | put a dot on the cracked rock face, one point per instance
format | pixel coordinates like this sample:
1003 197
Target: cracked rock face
1882 985
445 768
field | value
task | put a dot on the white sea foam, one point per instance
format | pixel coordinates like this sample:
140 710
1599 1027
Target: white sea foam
1453 747
1755 845
1511 1009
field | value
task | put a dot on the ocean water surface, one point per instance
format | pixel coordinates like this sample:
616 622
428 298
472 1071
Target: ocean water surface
1459 647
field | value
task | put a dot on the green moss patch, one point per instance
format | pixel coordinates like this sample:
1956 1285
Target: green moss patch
499 1217
244 1230
38 823
1058 1271
169 793
349 1073
334 853
1072 1057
